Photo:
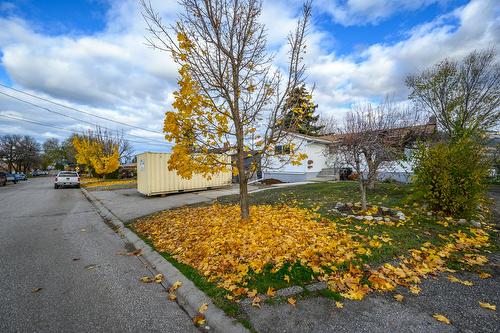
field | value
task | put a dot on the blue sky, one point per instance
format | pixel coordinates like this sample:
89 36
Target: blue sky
90 54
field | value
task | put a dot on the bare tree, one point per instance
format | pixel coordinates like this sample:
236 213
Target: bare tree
110 140
375 135
8 149
329 124
221 47
20 153
464 95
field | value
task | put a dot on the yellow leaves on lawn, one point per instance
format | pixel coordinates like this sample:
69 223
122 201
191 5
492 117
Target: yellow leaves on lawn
488 306
441 318
399 297
421 263
484 275
292 301
271 292
214 241
230 252
110 182
256 301
339 305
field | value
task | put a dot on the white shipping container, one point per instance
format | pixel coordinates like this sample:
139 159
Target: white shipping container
153 176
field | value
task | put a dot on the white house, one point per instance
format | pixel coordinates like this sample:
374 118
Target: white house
322 164
316 150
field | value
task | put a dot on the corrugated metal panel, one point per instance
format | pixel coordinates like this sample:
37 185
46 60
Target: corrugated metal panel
153 176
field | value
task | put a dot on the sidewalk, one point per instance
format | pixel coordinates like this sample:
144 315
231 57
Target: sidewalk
128 204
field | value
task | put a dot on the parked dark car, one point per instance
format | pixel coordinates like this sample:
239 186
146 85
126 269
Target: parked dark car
3 179
11 178
20 176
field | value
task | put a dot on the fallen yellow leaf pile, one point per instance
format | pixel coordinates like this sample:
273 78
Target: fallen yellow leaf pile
421 263
213 241
108 182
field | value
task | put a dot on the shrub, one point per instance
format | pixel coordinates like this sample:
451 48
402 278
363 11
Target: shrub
450 176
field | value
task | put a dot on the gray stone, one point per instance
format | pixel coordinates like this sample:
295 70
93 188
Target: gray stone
476 224
379 218
368 217
463 221
359 217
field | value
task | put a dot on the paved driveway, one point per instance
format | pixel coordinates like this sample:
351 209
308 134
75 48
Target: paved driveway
54 240
128 204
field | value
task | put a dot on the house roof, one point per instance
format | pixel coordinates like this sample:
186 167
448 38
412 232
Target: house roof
393 133
316 139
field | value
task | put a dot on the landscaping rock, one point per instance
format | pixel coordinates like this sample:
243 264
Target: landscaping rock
476 224
368 217
387 219
359 217
379 218
463 221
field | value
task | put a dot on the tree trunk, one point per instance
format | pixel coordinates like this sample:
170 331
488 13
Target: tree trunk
362 191
245 211
372 176
362 188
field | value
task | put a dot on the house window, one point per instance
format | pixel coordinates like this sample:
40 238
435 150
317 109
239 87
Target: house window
282 150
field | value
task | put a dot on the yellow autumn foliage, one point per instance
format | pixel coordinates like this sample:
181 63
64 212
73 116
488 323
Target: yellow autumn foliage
91 153
208 239
111 182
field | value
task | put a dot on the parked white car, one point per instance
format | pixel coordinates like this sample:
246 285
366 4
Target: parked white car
67 178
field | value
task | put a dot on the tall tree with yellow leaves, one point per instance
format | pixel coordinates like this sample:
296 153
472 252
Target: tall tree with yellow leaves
231 97
97 154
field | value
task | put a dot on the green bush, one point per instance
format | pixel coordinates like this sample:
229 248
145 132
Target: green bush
450 176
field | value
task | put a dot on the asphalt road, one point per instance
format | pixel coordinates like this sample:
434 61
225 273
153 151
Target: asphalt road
55 240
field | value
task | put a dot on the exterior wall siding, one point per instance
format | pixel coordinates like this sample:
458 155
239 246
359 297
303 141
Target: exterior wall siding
153 176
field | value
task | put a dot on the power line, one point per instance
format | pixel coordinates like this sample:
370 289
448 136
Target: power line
71 131
74 118
78 110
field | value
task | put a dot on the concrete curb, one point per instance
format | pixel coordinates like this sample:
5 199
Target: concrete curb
189 297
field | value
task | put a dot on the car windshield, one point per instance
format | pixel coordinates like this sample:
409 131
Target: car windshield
68 174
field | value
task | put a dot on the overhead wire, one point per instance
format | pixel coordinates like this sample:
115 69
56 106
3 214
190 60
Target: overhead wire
77 119
72 131
78 110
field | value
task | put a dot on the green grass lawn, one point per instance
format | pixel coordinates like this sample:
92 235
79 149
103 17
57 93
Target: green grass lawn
322 197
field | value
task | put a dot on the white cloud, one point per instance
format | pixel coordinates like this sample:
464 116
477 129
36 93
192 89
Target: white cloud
380 69
113 74
354 12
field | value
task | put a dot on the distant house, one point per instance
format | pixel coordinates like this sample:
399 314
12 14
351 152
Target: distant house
316 149
321 164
